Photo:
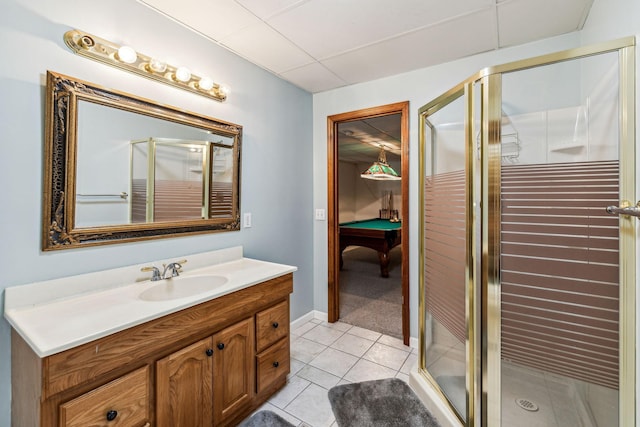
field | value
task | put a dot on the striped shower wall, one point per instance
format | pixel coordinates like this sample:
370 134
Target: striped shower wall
445 237
179 200
559 265
559 269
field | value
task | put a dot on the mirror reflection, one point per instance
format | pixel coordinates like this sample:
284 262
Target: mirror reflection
134 169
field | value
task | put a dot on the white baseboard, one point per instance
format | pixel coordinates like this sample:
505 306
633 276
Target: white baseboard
413 342
313 314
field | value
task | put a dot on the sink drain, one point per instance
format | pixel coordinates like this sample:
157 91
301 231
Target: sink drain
527 405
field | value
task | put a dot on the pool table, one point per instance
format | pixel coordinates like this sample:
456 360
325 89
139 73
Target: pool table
380 235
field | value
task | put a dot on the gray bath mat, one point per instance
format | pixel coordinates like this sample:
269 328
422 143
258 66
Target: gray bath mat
266 419
380 403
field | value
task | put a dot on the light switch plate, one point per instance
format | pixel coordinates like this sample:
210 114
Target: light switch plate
320 215
247 220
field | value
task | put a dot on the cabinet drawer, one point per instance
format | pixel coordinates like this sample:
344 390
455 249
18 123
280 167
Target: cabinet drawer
273 363
122 402
272 324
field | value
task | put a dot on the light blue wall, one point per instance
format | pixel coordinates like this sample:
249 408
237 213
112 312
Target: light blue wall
277 150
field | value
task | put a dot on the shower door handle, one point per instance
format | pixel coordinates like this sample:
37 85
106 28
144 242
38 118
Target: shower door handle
625 209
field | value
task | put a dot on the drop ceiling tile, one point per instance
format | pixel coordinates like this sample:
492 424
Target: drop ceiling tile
266 8
326 28
262 45
213 19
522 21
313 77
441 43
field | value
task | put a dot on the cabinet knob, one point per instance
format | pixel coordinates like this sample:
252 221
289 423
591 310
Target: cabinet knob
275 324
111 415
209 352
276 364
220 346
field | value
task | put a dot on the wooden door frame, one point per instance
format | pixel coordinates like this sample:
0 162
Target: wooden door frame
332 212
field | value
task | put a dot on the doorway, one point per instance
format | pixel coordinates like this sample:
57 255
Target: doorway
340 123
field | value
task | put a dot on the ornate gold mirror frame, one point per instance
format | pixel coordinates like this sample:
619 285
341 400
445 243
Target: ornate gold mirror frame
60 168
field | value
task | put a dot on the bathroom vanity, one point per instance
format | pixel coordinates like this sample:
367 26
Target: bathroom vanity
143 355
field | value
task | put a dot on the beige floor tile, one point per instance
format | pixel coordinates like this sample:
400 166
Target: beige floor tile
364 333
334 361
294 387
305 350
323 335
352 344
340 326
386 356
394 342
318 376
303 329
312 406
364 370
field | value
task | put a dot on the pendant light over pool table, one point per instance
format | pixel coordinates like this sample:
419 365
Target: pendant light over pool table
380 170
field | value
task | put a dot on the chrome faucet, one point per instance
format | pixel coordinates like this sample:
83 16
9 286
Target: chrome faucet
155 273
173 269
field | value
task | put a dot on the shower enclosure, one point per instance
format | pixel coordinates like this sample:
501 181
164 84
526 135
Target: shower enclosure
178 179
527 299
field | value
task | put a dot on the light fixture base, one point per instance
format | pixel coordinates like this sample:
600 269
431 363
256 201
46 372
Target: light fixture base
104 51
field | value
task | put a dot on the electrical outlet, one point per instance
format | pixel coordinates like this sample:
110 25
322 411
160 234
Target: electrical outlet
320 215
247 220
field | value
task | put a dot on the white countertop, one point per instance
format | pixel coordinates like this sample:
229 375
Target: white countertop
53 325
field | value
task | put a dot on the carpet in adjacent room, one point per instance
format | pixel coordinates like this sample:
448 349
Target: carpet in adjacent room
380 403
368 300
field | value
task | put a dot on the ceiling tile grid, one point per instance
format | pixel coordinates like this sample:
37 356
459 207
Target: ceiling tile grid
436 44
264 46
320 45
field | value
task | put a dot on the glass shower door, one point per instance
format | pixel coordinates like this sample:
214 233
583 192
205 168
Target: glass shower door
559 249
444 321
527 283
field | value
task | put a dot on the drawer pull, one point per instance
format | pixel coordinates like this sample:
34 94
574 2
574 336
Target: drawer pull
221 346
276 364
209 352
275 325
111 415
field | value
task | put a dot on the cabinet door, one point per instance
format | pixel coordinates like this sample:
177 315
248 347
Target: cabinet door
184 387
234 372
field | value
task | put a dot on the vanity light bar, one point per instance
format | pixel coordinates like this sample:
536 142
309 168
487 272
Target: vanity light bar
125 58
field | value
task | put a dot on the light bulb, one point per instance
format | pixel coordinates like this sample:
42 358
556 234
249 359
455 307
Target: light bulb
127 55
157 66
205 83
183 74
224 90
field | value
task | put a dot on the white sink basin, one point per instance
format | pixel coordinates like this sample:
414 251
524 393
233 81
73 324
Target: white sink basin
180 287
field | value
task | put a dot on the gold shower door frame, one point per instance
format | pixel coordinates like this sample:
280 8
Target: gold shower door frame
482 305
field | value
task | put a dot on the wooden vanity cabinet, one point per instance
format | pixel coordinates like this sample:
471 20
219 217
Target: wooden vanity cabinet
184 387
272 346
233 370
207 365
122 402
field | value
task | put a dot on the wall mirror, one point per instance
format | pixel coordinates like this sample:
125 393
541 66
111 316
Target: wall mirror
123 168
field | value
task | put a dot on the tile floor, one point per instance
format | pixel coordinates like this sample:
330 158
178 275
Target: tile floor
324 355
